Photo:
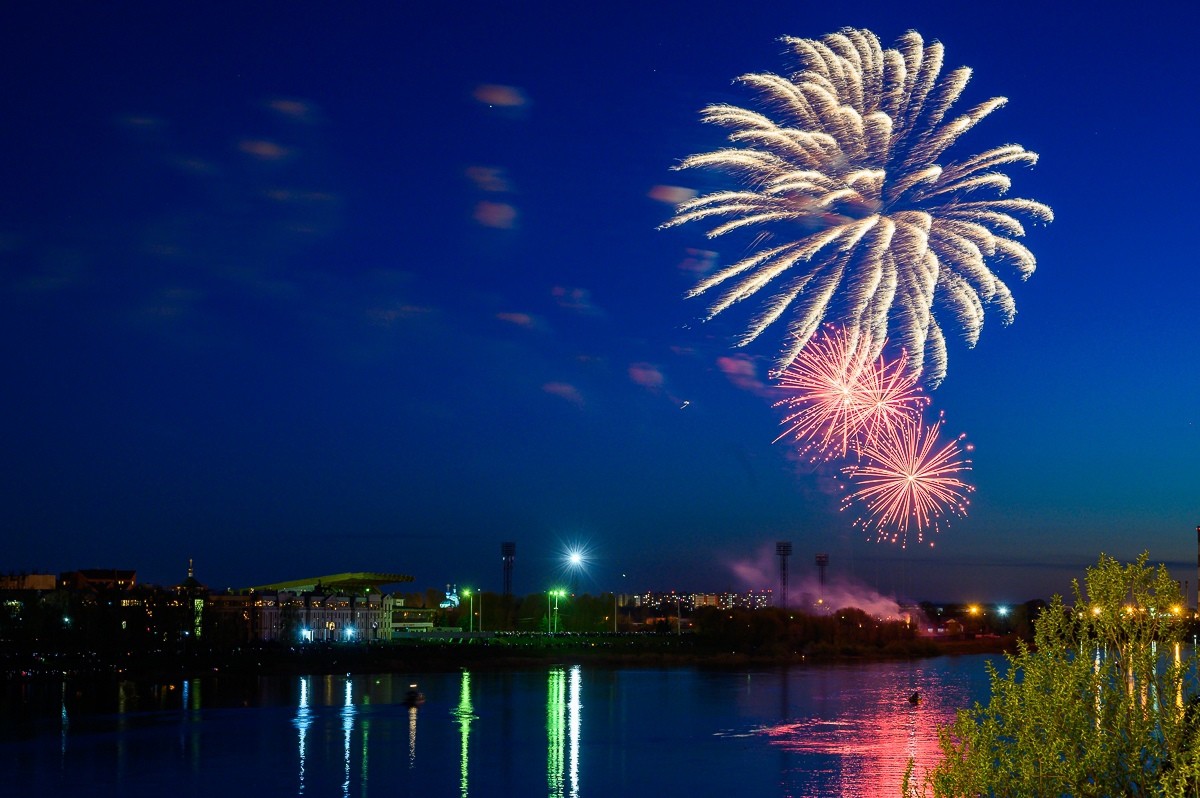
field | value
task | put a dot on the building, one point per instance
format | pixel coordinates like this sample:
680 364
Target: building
96 579
28 582
347 607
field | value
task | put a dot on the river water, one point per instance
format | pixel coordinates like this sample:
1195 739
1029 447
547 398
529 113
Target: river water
569 731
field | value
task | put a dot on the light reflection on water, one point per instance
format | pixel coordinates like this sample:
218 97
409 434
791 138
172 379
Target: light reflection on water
863 733
302 722
563 724
465 713
813 731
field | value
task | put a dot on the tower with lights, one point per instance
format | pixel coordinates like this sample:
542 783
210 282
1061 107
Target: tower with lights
508 553
784 550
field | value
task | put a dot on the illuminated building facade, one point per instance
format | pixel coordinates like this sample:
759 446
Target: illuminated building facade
28 582
305 617
99 579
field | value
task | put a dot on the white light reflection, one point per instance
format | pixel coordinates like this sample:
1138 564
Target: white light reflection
574 717
1179 681
347 728
66 722
303 721
412 737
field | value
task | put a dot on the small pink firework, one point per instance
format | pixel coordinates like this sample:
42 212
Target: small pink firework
907 482
889 395
841 396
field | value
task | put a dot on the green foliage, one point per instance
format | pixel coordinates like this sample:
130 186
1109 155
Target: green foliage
1098 706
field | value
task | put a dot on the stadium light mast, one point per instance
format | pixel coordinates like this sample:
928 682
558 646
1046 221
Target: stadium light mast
508 553
822 563
784 549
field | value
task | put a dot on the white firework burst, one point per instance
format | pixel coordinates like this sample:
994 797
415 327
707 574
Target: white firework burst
865 221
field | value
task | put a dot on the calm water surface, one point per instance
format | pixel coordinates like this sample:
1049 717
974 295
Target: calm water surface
844 730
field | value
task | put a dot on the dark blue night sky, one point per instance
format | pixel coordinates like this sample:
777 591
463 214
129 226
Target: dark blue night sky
298 289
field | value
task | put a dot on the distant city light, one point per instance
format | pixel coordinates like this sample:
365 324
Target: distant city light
1003 611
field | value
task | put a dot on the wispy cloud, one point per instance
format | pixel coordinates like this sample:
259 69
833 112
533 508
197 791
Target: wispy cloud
564 390
578 300
742 372
646 375
524 320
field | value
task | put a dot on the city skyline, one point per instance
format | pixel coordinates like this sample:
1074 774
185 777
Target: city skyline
319 291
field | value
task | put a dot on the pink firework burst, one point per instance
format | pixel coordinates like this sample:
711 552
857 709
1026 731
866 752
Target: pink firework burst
909 482
841 396
889 395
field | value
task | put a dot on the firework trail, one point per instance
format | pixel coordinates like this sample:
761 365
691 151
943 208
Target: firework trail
841 397
861 219
909 482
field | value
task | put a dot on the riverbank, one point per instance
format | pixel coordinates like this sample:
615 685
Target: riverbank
437 654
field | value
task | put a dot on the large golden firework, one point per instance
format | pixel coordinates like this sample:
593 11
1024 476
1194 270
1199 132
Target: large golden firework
863 220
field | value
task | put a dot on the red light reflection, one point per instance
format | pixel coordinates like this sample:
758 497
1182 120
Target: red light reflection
870 743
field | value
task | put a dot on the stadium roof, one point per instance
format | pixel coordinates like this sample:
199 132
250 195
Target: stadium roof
352 582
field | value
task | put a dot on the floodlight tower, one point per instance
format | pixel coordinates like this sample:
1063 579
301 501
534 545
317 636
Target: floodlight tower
508 553
822 562
784 549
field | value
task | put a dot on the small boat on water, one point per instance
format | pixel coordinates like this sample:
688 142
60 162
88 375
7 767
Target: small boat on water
414 697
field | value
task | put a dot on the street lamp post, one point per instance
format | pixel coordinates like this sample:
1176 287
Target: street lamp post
470 594
556 595
615 604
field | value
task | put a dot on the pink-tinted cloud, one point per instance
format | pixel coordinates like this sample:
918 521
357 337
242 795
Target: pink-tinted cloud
299 110
742 372
264 150
520 319
500 215
576 299
698 261
647 376
761 572
564 390
498 95
488 178
672 195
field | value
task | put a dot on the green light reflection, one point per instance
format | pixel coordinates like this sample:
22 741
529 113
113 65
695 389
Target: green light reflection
555 722
564 719
464 712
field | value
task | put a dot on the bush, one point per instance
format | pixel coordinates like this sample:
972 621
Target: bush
1099 705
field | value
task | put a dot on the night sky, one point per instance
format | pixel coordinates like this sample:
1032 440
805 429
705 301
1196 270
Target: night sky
294 291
